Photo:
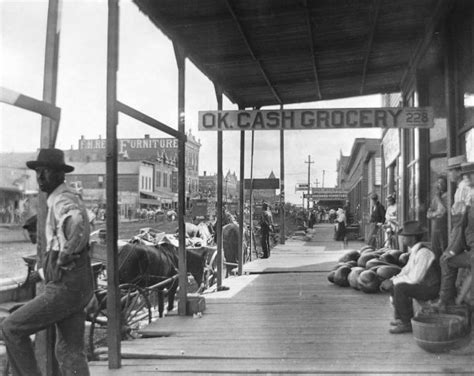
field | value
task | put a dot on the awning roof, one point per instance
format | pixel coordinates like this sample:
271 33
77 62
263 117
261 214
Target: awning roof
267 52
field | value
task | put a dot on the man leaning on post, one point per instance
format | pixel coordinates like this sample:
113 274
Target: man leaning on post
67 273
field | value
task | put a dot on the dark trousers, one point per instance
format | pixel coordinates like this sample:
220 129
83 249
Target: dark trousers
373 233
403 293
449 273
439 236
265 241
61 304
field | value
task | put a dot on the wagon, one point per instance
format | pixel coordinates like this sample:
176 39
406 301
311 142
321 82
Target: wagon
136 303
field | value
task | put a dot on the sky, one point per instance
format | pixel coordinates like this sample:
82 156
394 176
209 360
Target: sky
147 81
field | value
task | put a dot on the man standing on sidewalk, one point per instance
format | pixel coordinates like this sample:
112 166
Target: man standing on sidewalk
67 274
377 218
266 225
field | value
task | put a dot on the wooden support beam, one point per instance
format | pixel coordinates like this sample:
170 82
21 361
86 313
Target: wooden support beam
183 279
439 14
49 124
140 116
310 30
241 200
45 340
31 104
282 186
376 9
113 292
219 259
252 53
252 148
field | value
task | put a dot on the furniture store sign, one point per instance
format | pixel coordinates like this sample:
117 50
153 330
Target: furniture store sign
384 117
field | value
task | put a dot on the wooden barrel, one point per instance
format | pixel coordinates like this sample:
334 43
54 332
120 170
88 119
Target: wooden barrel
439 332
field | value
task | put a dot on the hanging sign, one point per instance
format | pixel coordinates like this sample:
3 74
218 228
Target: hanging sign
262 183
326 194
301 187
384 117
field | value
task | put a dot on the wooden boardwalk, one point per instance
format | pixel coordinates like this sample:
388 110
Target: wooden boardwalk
284 317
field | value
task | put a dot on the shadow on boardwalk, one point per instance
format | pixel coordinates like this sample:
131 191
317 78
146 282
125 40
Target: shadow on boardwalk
283 317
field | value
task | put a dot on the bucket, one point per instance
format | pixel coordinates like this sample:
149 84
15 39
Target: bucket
440 332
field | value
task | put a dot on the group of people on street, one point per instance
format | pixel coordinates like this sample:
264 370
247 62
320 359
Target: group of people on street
432 268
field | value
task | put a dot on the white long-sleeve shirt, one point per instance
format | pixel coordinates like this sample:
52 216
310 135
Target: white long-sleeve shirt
67 224
418 264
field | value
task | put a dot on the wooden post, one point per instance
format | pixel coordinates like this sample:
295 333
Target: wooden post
450 100
113 293
252 147
423 176
282 186
242 201
45 340
219 260
183 279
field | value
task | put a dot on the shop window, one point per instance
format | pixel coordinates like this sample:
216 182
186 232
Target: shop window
100 181
378 171
158 179
165 180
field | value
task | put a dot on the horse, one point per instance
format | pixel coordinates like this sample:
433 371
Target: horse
230 243
146 265
143 272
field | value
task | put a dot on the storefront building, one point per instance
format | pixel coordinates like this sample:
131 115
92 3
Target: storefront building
443 78
360 175
147 172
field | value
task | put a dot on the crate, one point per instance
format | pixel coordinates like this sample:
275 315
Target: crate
195 304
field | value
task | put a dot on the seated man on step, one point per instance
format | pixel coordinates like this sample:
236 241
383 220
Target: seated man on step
419 278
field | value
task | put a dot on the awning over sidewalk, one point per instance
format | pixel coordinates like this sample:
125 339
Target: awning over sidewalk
271 52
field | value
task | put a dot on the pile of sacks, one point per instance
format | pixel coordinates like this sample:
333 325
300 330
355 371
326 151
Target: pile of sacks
367 268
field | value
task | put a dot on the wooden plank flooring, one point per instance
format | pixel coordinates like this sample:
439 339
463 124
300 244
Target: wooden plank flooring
284 317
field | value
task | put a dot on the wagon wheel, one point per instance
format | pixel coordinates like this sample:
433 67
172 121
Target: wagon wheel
135 312
210 271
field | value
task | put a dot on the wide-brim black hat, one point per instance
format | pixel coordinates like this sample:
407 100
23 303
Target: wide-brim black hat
52 158
467 168
412 228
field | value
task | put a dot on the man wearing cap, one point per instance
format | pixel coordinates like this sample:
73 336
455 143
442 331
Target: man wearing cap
461 243
377 218
67 274
419 278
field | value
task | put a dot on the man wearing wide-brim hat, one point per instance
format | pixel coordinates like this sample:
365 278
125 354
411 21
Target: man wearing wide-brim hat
419 278
456 175
67 274
459 251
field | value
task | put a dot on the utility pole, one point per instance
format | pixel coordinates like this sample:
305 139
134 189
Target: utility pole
324 172
309 162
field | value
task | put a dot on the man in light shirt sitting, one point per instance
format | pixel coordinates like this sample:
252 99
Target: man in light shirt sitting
419 279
